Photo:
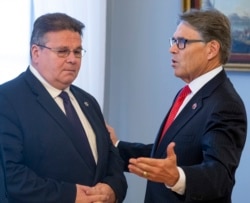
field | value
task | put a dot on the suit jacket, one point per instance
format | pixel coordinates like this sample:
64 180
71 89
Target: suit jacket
3 190
209 133
43 158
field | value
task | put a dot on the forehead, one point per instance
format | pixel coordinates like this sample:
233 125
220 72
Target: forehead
185 30
63 37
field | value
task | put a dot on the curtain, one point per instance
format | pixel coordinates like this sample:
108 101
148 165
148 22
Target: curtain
14 40
17 17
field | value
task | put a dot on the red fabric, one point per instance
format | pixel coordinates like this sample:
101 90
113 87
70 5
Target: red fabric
184 92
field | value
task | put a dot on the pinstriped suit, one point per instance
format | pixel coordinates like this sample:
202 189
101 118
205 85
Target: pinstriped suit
210 134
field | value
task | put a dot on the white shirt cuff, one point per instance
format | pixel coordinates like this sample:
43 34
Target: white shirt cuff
180 186
116 144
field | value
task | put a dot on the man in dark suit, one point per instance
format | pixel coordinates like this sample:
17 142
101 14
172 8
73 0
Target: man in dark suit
195 156
45 159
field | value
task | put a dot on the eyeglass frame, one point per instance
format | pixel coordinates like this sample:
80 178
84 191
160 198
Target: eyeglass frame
66 54
184 41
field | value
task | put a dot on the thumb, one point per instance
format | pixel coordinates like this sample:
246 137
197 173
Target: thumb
170 151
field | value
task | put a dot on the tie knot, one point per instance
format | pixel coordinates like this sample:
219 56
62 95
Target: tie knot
185 91
64 95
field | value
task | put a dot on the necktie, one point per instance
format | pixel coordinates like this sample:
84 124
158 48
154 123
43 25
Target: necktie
178 102
76 123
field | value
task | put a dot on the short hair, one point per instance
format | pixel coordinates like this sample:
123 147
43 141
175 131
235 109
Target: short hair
54 22
212 25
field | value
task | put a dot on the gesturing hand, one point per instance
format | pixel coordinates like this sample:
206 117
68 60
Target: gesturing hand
157 170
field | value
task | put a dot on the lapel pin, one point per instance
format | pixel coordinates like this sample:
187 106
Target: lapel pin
194 106
86 103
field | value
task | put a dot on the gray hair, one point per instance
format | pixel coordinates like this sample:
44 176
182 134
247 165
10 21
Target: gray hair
212 25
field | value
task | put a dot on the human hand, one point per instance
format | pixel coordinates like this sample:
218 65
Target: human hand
157 170
112 134
104 190
82 195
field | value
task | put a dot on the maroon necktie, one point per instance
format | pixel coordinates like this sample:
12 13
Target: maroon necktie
182 95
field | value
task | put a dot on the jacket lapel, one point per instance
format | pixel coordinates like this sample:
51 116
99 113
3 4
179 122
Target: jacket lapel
97 125
193 106
188 112
51 107
45 100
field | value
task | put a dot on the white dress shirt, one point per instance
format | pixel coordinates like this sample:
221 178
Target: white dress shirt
55 95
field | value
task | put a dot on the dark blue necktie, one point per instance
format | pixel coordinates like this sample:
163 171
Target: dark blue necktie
76 123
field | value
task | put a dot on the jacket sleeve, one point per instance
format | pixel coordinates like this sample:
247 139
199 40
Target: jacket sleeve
129 150
23 184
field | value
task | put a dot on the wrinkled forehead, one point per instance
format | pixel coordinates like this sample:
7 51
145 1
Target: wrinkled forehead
185 30
69 39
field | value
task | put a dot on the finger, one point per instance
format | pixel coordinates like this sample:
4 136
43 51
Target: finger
138 171
132 161
98 198
143 162
83 188
134 169
93 191
132 166
137 166
170 151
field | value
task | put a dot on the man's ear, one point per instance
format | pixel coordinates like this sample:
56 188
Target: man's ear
213 48
35 51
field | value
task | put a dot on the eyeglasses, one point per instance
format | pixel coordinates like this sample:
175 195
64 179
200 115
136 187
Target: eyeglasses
181 42
64 52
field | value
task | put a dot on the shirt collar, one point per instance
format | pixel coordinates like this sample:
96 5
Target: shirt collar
52 91
199 82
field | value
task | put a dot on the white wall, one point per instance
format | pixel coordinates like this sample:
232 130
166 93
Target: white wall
14 40
241 189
